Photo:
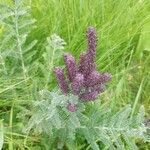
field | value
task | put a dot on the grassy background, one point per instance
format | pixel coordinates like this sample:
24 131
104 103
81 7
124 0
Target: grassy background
123 30
123 33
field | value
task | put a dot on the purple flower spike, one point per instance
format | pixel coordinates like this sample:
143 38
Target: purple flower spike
90 96
83 80
86 65
77 83
99 88
105 77
70 66
61 79
91 37
71 107
92 79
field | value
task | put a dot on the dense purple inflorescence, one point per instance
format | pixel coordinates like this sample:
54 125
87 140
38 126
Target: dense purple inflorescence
77 83
84 80
61 79
92 40
70 66
86 64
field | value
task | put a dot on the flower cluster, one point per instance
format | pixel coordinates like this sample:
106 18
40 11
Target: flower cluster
82 79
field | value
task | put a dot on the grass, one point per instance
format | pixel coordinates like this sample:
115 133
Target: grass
123 29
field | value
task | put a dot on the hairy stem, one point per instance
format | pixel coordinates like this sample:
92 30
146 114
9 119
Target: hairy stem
50 67
19 42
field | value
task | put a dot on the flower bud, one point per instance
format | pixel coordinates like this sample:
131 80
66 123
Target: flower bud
71 107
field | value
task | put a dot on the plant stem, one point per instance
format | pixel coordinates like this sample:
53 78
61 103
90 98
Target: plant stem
10 126
50 67
136 99
18 41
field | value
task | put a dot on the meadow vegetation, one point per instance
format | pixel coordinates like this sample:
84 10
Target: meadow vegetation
34 34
